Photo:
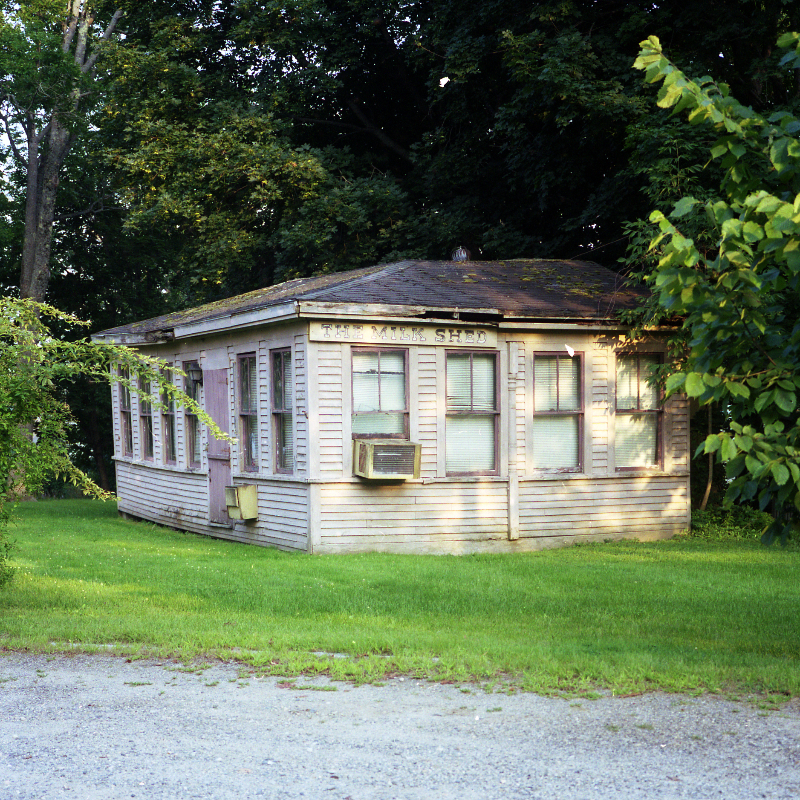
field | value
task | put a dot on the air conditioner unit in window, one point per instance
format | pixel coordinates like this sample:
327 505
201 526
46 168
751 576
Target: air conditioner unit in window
385 459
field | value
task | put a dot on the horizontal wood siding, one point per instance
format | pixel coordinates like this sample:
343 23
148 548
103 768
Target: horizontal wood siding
630 506
180 500
426 399
330 377
522 409
300 406
166 496
411 517
596 462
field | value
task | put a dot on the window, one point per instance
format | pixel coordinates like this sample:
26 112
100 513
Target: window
380 406
638 417
248 412
125 414
192 389
168 423
557 411
282 421
146 419
471 427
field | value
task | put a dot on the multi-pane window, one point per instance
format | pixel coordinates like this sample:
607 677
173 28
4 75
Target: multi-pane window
380 406
557 411
282 418
192 389
248 411
472 413
145 419
638 417
168 424
125 414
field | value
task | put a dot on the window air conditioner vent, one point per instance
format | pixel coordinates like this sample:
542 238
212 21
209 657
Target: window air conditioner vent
385 459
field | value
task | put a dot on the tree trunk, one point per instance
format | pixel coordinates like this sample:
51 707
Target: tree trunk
40 209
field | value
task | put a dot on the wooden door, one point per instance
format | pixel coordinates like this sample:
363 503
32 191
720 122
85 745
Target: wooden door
215 386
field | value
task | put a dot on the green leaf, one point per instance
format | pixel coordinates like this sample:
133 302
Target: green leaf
675 381
683 207
712 443
780 473
786 401
694 384
728 449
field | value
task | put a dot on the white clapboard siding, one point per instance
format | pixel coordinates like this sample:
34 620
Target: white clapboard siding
426 409
166 496
522 409
300 406
265 456
413 517
597 462
330 377
622 505
116 419
282 517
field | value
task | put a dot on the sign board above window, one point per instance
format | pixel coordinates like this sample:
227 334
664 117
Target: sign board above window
402 334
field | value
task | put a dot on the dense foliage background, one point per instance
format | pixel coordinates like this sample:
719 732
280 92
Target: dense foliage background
229 144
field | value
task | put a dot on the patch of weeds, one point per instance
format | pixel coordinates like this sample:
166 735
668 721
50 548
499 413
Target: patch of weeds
576 705
466 691
6 680
211 683
695 737
645 726
308 687
138 683
613 728
491 710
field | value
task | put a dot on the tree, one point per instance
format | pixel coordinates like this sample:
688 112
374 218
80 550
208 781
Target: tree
48 80
35 420
740 301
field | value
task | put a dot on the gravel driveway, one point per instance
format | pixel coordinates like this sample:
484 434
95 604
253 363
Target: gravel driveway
97 727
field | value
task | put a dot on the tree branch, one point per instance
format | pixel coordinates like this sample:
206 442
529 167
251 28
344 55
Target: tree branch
14 151
73 9
92 60
97 207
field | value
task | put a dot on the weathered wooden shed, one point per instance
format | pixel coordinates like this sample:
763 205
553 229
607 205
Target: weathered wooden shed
413 407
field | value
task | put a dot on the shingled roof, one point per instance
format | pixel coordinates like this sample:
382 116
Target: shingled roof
525 289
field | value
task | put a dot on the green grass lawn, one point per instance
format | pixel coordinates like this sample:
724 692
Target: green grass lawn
687 614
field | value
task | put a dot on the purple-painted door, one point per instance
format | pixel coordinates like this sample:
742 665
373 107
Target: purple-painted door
215 388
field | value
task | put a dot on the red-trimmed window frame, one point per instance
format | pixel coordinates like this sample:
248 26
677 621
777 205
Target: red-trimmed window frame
658 412
403 435
281 414
125 415
192 423
246 363
451 413
579 413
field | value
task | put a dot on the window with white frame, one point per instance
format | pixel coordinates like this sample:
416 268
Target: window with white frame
282 410
638 412
557 411
380 398
248 412
125 414
168 423
146 419
192 389
471 414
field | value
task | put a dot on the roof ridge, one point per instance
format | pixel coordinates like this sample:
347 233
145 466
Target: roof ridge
382 269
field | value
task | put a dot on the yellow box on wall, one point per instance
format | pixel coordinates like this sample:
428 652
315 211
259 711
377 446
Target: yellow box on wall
242 502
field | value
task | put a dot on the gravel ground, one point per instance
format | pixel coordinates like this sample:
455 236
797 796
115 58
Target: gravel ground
97 727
